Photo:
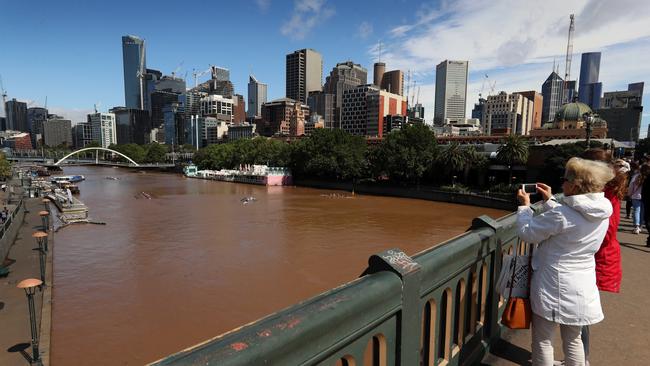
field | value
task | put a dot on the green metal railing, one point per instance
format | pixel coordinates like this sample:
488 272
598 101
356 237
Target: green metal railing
437 308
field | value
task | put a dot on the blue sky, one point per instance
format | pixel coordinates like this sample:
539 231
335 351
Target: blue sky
70 51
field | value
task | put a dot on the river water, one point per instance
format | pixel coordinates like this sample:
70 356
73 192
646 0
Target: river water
193 262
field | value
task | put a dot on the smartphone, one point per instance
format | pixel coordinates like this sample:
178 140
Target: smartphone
529 187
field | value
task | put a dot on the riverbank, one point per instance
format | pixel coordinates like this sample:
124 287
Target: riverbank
423 193
24 263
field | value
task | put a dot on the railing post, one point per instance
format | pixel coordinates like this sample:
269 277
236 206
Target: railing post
410 318
492 330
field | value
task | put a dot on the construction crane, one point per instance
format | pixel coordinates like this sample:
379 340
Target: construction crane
4 94
413 95
569 54
177 69
197 74
491 86
408 84
485 80
417 100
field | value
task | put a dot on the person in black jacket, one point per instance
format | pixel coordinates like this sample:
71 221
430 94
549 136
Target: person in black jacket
645 197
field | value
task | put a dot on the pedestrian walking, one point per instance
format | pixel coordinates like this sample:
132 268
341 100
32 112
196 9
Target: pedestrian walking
634 191
568 234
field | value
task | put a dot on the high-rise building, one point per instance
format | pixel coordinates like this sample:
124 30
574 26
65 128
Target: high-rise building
623 111
82 133
378 73
151 78
166 91
57 132
279 114
478 112
218 107
570 92
174 117
323 104
256 97
304 73
3 123
507 114
239 109
103 128
220 73
451 92
552 97
16 113
344 76
590 88
365 107
134 61
36 116
538 102
393 82
132 126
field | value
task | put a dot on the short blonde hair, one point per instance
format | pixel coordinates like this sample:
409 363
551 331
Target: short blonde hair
587 175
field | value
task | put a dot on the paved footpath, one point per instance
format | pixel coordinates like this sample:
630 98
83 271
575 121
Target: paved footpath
623 338
14 314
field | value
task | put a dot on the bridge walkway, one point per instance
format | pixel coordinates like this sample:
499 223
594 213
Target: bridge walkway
622 338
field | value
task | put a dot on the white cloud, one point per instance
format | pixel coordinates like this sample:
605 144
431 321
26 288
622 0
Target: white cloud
365 30
73 114
307 14
516 43
263 5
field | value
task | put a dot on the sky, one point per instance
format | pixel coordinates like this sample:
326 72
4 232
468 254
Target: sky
70 51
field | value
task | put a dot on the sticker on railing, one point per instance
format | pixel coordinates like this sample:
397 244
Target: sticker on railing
400 259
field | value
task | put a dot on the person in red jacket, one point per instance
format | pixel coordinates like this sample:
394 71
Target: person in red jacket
608 258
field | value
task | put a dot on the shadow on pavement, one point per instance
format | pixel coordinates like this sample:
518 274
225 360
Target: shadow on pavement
21 347
508 351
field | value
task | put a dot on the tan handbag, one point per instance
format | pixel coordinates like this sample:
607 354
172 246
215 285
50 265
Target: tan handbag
518 313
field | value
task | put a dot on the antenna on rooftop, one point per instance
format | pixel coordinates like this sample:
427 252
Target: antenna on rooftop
379 51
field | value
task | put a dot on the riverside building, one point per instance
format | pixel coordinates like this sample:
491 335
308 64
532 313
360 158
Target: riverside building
304 74
451 92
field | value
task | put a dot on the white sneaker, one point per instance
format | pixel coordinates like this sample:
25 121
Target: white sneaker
637 230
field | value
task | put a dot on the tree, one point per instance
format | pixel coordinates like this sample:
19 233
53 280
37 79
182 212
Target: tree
133 151
329 154
5 167
453 159
405 155
155 153
514 150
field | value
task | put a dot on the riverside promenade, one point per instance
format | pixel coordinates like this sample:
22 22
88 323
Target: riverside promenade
622 338
14 314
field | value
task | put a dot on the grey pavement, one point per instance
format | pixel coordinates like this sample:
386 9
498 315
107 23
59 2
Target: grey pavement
622 338
14 315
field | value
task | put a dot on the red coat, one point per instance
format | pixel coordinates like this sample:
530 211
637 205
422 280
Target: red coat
608 257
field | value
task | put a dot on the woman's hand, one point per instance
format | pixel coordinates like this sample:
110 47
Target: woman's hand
545 191
523 197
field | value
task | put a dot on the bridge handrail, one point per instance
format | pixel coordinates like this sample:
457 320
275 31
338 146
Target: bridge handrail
437 308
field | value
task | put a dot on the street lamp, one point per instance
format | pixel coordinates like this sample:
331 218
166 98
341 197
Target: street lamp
41 239
589 120
29 285
46 201
45 219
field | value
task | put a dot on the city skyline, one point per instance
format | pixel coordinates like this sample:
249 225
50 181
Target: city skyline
425 34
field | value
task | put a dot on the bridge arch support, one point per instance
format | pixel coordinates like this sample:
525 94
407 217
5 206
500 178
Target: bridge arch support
97 149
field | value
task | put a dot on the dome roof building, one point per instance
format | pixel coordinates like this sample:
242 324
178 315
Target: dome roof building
572 112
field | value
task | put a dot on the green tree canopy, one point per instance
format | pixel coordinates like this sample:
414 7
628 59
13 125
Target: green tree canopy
405 155
133 151
155 153
329 154
514 150
5 167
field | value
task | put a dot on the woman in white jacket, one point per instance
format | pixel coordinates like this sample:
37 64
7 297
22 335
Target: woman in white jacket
568 233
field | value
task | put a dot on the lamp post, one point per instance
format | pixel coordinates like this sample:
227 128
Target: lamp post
46 201
45 219
589 120
41 239
29 285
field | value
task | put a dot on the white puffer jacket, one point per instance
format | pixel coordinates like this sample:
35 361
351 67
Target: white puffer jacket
568 234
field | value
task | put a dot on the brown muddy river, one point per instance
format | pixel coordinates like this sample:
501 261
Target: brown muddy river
193 262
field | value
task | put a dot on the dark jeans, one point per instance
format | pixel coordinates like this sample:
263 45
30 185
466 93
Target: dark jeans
628 207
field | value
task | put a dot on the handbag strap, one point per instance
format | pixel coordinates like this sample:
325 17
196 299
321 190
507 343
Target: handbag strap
514 268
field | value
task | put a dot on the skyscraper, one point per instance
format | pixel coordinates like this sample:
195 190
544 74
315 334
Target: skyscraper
393 82
256 97
551 97
623 111
103 128
451 92
35 118
304 74
134 61
344 76
590 89
57 131
16 115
